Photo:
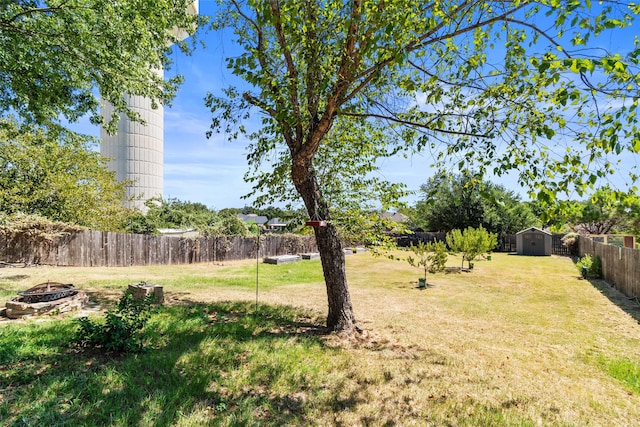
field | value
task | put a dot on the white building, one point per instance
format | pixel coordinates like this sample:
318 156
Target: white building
136 151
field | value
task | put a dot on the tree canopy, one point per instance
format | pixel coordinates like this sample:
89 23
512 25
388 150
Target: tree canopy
463 200
500 86
56 55
59 59
605 211
57 175
178 214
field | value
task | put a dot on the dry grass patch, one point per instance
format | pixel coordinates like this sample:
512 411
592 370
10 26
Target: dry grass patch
517 341
513 338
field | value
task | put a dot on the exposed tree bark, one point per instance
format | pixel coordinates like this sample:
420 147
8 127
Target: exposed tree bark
303 148
340 316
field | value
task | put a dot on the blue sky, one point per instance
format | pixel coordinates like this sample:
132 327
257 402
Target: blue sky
211 171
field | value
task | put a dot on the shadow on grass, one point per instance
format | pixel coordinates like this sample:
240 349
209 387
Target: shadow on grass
205 364
631 306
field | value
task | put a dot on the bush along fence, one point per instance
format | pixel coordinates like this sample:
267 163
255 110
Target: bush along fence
108 249
619 265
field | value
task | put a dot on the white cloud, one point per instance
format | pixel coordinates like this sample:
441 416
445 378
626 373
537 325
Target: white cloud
190 122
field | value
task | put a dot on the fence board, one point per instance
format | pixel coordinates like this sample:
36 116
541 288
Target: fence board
634 272
620 266
94 248
95 254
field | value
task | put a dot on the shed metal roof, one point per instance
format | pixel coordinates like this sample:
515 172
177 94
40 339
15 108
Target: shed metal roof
536 229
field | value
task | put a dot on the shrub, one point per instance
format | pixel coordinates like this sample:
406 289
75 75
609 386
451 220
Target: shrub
122 328
596 268
593 266
585 261
570 240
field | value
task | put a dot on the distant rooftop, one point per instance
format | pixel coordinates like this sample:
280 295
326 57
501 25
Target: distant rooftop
253 218
395 216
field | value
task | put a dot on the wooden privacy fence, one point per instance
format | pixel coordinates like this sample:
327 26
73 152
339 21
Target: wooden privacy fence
406 240
505 244
107 249
620 266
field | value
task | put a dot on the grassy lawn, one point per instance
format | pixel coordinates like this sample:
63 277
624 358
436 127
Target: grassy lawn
519 341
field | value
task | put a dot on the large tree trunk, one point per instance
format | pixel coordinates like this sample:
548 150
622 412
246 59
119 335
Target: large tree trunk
341 316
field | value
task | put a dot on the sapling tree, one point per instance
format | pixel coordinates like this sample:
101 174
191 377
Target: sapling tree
471 242
499 86
431 257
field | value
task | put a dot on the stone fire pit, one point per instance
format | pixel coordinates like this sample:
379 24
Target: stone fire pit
46 298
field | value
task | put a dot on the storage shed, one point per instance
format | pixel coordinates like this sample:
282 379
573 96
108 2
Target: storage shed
533 241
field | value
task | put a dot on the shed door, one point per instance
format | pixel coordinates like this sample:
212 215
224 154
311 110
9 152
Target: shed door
533 244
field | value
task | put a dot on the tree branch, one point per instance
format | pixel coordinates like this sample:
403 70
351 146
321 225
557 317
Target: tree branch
39 10
311 54
344 79
543 33
257 102
410 123
9 24
274 89
291 68
421 42
344 74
